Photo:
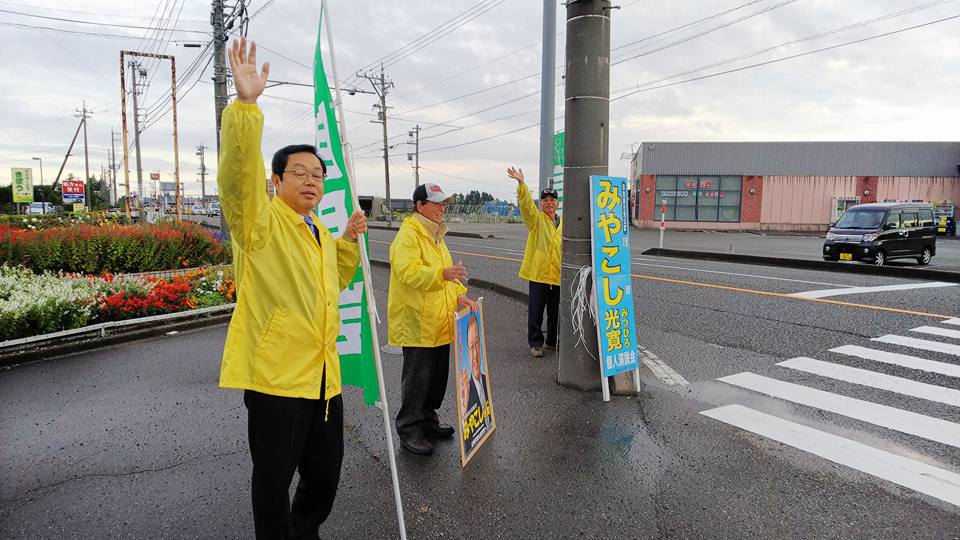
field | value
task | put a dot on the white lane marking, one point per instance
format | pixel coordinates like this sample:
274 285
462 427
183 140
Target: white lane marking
636 262
865 377
934 331
933 429
661 370
737 274
449 243
909 473
863 290
904 360
955 322
923 344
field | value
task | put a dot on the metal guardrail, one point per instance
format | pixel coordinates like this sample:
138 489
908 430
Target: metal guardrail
102 328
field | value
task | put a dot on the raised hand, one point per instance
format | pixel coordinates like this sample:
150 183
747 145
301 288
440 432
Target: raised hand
247 81
516 174
455 272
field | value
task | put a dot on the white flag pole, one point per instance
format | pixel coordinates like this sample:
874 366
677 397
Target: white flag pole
371 304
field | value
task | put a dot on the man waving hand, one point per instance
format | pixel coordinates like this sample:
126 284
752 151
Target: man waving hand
281 344
541 262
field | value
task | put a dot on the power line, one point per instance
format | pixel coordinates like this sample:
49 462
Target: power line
535 124
681 27
703 33
798 55
78 32
96 13
474 68
77 21
420 42
789 43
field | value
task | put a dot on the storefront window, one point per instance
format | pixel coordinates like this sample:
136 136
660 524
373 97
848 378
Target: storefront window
699 198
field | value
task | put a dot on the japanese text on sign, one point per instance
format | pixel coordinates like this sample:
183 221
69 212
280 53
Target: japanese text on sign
611 269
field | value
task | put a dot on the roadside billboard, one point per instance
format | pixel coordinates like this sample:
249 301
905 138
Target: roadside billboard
22 185
73 191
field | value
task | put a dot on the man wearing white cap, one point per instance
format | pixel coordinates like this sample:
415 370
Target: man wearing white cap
426 289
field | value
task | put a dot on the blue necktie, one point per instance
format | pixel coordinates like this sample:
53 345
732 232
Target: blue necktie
313 229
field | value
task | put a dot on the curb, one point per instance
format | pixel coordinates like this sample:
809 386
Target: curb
887 271
473 282
449 233
74 345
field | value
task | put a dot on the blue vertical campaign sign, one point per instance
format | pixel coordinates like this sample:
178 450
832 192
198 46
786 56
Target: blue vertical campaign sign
610 236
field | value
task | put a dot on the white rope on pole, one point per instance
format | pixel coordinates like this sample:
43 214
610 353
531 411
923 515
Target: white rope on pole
583 300
371 304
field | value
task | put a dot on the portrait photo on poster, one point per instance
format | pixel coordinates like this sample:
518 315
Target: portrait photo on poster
475 418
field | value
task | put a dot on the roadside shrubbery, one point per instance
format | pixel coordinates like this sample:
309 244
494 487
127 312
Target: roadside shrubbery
110 248
32 304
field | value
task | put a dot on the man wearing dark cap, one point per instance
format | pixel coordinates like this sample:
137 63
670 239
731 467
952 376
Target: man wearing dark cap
541 262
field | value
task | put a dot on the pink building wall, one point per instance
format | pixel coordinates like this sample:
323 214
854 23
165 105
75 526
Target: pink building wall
802 202
909 188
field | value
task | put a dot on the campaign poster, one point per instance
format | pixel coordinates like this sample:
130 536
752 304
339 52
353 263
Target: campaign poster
610 234
476 421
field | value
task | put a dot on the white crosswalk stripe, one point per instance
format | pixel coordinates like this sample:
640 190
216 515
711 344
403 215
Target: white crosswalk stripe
909 473
919 425
903 467
923 344
904 360
865 377
937 331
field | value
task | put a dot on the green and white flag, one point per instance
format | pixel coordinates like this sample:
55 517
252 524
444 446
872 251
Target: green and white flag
355 343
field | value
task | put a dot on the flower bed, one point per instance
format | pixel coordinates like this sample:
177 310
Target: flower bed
110 248
33 304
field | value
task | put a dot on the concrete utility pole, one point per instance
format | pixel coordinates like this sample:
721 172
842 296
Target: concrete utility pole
201 151
587 113
83 114
381 92
219 84
136 69
547 90
415 156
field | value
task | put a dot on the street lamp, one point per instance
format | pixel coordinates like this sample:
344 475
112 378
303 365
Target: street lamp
41 176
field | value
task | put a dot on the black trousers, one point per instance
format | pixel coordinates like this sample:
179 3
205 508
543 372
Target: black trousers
543 296
288 434
423 384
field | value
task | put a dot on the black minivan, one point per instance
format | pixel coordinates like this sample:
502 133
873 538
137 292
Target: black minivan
879 232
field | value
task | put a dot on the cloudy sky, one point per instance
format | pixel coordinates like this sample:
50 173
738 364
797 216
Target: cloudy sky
667 79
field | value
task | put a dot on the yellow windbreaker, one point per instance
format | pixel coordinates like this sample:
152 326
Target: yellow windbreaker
541 259
283 333
421 303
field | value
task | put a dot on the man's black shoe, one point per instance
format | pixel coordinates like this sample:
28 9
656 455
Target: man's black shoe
417 444
438 431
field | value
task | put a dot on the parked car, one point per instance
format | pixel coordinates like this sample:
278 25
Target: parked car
40 208
198 210
215 209
880 232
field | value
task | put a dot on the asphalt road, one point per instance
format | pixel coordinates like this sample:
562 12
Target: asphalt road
137 441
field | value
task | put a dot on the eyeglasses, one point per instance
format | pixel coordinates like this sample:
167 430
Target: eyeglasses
302 174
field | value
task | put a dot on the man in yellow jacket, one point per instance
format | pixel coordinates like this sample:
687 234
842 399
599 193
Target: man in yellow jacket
541 262
426 288
281 343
